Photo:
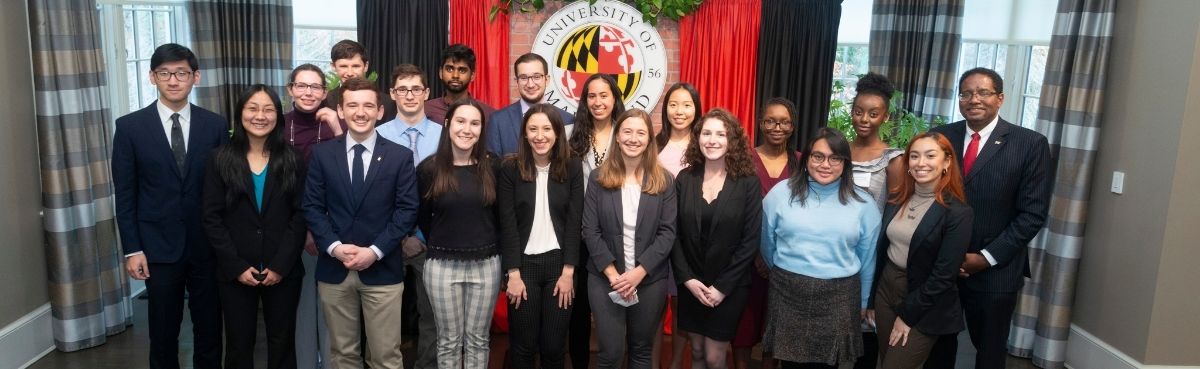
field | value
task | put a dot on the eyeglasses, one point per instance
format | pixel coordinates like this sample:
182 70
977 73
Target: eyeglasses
304 87
536 78
415 91
164 76
983 94
771 123
834 160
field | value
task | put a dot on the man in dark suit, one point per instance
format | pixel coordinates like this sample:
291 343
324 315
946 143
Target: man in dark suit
158 170
532 74
1006 172
360 201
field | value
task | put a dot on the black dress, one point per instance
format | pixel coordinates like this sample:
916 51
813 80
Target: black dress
715 245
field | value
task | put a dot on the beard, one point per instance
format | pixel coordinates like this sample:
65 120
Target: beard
454 90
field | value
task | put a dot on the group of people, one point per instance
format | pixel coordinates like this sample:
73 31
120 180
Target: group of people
844 250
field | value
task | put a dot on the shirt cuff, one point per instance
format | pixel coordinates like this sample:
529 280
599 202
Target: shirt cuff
378 252
329 250
134 253
987 255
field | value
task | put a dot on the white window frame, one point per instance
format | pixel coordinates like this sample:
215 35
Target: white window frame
112 22
297 60
1016 77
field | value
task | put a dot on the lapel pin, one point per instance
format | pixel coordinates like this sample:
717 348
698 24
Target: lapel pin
379 158
997 142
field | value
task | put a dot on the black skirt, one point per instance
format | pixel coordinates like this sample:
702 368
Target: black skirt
719 323
812 320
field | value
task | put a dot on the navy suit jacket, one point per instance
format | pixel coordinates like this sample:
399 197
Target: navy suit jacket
505 128
158 203
1009 189
381 215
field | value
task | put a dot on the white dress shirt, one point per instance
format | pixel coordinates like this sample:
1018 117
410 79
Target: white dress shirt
185 121
369 143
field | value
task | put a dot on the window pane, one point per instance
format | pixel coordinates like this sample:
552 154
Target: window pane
1001 58
143 27
987 56
132 76
130 42
968 56
162 28
1029 112
1037 70
149 93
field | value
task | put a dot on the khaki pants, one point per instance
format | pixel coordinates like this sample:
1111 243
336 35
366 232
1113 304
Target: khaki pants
379 306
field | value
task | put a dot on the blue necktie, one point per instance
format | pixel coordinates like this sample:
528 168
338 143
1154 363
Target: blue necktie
412 134
356 171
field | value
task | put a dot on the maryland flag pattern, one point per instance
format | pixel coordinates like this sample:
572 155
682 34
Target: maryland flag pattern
598 49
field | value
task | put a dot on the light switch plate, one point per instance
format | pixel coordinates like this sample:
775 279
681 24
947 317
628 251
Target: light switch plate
1118 182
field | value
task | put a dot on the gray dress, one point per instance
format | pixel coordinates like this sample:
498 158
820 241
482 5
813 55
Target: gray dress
871 175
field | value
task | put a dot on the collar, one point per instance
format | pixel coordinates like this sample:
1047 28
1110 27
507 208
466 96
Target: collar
826 189
422 126
369 143
986 131
164 113
524 105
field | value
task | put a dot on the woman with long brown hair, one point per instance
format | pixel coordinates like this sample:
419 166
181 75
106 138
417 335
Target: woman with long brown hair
629 228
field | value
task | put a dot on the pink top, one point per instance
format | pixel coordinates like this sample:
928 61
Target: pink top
671 158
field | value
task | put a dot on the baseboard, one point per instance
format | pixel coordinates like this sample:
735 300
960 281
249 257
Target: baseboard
27 339
1085 351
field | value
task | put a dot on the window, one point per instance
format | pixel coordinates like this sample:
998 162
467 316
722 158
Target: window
312 44
851 61
130 31
1022 66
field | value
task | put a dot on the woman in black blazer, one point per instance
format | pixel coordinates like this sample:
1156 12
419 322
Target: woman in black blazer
539 195
252 215
629 228
720 212
925 233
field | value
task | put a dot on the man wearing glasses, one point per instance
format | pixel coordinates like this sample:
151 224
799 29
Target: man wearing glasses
457 72
531 74
158 169
412 129
1006 175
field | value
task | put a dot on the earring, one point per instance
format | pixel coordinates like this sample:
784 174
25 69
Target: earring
944 171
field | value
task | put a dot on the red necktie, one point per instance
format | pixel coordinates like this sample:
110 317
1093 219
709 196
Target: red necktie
972 152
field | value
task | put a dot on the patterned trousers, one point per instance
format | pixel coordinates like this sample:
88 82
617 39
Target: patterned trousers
463 295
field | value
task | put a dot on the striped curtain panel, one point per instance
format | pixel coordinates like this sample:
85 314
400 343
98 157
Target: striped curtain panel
1069 114
89 293
915 43
240 43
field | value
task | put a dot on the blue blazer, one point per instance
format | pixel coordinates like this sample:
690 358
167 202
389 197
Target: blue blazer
158 203
1009 189
505 128
381 215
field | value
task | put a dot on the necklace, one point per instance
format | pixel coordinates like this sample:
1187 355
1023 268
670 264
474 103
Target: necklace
913 205
597 156
292 132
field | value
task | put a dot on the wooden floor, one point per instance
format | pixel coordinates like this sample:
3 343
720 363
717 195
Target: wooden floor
129 350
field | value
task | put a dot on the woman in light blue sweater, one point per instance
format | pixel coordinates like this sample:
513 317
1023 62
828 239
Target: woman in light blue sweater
818 238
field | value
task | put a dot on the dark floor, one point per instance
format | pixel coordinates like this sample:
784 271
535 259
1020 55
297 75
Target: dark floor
129 350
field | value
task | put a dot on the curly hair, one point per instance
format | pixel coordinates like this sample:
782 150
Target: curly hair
737 153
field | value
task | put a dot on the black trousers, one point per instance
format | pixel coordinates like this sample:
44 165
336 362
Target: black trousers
539 326
580 330
165 288
239 304
989 318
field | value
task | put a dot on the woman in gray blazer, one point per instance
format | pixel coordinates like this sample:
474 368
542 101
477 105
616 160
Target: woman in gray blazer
629 229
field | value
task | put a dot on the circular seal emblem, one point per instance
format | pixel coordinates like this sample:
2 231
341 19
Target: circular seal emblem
609 37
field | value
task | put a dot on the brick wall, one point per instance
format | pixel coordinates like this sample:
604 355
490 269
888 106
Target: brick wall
524 27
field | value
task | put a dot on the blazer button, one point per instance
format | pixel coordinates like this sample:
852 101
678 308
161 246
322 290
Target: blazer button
259 231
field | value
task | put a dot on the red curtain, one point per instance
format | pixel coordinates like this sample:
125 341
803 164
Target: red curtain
469 25
718 52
